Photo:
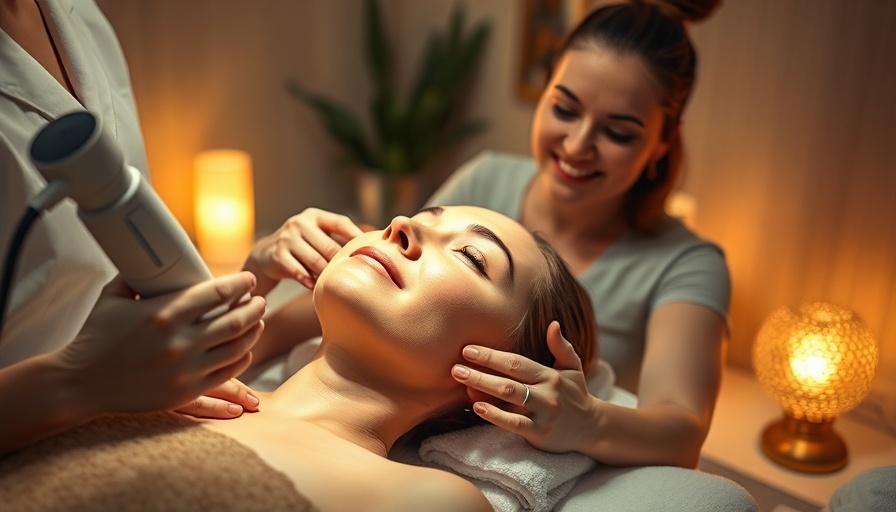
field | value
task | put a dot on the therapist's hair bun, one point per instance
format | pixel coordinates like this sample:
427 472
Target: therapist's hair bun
691 10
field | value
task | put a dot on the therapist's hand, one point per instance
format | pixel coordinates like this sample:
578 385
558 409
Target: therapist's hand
158 353
559 406
300 249
228 400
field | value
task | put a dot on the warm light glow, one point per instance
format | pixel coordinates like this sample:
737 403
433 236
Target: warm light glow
810 363
683 206
224 208
817 361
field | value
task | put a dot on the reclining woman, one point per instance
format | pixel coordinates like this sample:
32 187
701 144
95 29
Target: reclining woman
396 306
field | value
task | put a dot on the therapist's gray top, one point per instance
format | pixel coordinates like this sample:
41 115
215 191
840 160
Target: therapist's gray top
636 274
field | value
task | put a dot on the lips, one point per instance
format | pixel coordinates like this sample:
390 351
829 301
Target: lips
381 263
573 174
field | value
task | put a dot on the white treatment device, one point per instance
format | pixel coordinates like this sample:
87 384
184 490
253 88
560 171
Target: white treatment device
119 207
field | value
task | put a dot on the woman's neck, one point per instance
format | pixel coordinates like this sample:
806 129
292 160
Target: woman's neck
340 395
580 231
598 222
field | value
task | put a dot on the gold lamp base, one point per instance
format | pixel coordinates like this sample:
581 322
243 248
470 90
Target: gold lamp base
804 446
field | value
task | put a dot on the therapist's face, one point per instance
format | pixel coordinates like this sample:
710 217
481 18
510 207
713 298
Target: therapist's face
597 126
424 287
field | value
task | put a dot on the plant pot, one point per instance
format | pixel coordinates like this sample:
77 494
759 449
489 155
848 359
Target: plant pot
381 197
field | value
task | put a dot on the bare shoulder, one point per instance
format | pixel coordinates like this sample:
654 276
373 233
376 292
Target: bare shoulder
437 491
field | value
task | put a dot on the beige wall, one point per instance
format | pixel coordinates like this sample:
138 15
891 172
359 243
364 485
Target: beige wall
790 129
790 137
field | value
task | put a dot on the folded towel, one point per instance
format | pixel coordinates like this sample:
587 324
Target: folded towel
510 473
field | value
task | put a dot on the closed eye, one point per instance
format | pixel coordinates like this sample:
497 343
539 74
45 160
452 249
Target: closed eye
563 113
621 138
475 257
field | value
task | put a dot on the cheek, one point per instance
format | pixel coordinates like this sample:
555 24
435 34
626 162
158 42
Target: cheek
462 311
545 130
626 161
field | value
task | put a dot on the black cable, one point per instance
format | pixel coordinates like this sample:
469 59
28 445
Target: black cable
9 268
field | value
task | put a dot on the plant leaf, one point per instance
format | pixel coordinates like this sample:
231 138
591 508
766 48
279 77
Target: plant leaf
455 26
451 136
379 57
407 134
340 123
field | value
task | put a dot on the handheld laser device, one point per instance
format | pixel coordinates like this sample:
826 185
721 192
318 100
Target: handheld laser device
119 207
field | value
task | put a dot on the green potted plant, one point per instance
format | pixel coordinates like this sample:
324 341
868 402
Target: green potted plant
406 134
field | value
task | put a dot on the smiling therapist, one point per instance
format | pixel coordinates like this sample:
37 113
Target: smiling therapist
70 349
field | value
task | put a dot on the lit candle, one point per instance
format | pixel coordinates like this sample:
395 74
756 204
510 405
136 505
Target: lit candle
224 208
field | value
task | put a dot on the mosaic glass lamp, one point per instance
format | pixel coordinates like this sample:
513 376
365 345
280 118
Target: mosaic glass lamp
817 361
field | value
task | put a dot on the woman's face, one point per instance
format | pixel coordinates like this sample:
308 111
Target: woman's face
597 125
415 293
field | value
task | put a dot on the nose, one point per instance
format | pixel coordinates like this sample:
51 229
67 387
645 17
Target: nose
407 234
579 144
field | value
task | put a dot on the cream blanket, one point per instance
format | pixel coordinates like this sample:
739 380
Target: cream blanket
147 462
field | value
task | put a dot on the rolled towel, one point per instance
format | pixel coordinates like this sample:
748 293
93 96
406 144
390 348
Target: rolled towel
508 471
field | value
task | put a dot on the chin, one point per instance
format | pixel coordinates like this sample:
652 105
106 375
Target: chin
350 305
347 302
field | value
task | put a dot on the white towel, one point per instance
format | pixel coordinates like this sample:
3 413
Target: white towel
510 473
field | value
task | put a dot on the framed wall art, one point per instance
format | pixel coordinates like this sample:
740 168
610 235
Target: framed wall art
545 23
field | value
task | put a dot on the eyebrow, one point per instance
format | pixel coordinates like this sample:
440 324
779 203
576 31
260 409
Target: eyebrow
618 117
488 234
482 231
435 210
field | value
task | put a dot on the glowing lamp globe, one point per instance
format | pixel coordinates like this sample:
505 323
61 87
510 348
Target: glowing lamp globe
817 361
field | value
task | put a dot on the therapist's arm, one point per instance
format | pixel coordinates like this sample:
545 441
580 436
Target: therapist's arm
680 379
133 356
38 400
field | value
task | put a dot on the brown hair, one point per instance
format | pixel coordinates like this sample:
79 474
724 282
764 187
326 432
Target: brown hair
656 33
557 296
